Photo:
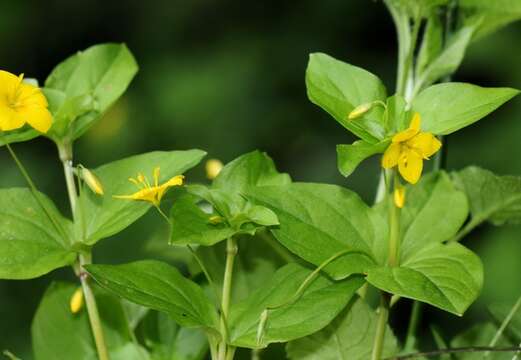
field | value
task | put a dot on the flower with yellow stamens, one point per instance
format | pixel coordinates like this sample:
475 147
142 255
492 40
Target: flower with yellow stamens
151 193
22 103
408 149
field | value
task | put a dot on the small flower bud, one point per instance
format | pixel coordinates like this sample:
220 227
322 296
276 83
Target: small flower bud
399 196
213 168
216 219
92 181
76 302
359 111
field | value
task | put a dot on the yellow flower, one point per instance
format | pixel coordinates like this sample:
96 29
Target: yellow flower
22 103
151 193
76 302
408 150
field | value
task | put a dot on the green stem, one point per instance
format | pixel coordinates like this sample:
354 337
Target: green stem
394 226
231 252
92 310
504 324
402 83
65 151
383 316
410 340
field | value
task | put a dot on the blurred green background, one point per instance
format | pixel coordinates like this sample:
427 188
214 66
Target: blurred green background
227 76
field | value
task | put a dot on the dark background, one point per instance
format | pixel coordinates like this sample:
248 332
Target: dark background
228 77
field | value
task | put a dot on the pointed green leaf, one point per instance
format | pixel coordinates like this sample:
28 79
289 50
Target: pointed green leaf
489 16
338 88
161 287
446 108
446 276
434 211
102 72
448 61
252 169
350 156
319 221
314 309
491 197
349 336
31 244
432 43
105 215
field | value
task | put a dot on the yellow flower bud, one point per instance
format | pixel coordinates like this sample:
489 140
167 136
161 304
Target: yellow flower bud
359 111
92 181
216 219
213 168
76 302
399 196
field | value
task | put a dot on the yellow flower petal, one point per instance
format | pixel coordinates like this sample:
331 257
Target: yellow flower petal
175 181
414 128
425 143
391 156
9 119
30 95
39 118
410 166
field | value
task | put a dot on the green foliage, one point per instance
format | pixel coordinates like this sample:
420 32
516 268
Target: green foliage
105 216
232 214
291 317
58 334
446 276
349 336
491 197
161 287
319 221
31 244
480 335
85 85
446 108
338 88
350 156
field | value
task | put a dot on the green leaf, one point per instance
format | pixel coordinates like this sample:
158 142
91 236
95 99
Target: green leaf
350 156
31 245
432 43
396 115
236 215
58 334
446 276
448 107
349 336
489 15
338 88
104 216
318 305
161 287
448 61
252 169
191 225
91 80
434 211
168 341
319 221
18 135
491 197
